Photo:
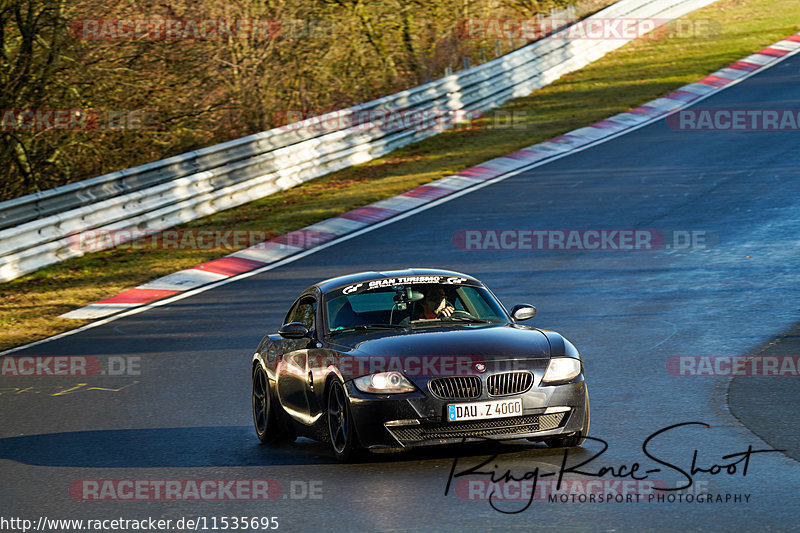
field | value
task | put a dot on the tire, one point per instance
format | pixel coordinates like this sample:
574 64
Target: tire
268 428
569 441
341 431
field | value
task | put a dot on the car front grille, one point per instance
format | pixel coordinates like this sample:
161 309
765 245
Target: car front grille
408 435
509 383
456 387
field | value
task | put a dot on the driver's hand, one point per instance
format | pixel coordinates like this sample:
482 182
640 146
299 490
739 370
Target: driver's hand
444 309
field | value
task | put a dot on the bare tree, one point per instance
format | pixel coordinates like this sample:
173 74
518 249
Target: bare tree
308 56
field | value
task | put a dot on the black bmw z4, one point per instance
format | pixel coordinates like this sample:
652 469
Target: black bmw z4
391 360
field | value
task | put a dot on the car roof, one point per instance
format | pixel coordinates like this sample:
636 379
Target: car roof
350 279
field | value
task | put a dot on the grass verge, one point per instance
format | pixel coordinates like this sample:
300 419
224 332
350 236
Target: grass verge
641 71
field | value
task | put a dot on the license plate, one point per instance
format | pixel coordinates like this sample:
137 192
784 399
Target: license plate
484 410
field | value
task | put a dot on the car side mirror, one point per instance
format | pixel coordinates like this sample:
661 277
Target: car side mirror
523 312
294 330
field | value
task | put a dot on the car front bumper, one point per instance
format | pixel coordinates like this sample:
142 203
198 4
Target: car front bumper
418 419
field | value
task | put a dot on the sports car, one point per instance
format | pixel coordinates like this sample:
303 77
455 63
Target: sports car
398 359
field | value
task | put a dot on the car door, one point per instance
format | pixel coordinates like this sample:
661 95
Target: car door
292 373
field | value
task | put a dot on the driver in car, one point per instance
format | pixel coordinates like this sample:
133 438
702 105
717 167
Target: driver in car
434 304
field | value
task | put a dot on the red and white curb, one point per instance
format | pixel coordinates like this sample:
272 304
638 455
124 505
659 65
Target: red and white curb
296 242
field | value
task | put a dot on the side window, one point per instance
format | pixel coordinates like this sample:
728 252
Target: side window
304 311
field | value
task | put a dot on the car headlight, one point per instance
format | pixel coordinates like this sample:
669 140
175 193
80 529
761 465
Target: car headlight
562 369
384 383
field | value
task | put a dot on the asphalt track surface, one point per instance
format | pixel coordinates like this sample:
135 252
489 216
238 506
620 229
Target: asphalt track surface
187 414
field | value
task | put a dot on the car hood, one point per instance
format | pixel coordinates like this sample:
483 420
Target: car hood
488 342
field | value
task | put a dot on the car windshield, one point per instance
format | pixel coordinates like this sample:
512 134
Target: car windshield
407 305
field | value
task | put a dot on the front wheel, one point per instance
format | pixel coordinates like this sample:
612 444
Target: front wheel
341 430
266 422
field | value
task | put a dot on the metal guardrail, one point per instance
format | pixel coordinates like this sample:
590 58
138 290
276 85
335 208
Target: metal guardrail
38 228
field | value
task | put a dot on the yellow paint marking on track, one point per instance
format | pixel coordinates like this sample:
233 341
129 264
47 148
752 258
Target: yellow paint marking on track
60 391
